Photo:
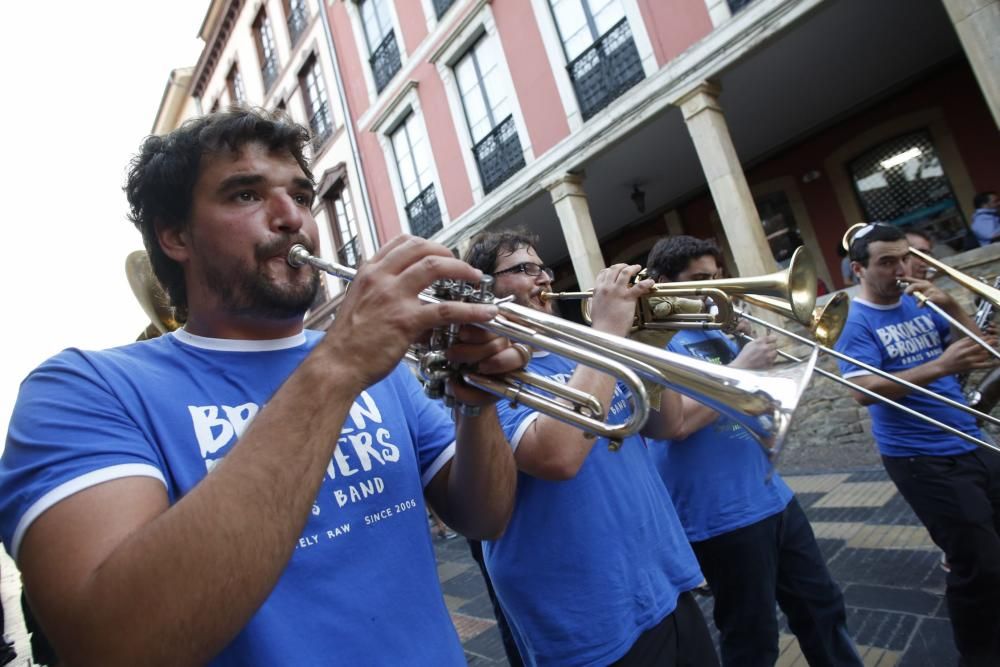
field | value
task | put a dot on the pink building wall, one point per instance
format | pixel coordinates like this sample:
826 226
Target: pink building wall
674 25
533 79
410 14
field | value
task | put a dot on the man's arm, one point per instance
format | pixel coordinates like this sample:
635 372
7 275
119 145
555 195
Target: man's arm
960 357
757 354
118 577
550 449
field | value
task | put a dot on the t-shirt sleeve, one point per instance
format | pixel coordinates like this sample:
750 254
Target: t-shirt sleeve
859 342
431 427
69 431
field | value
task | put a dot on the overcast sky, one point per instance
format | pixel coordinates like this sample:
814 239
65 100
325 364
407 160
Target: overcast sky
82 84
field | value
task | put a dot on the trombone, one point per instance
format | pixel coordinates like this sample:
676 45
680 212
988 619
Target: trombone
795 286
762 402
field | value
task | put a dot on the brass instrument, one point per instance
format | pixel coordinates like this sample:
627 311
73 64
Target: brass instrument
150 295
826 321
818 347
795 286
986 393
762 402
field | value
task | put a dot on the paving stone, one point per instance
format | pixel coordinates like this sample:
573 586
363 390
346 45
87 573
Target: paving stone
932 645
814 483
841 514
903 568
888 598
891 537
882 629
470 626
858 494
449 568
488 644
478 606
467 585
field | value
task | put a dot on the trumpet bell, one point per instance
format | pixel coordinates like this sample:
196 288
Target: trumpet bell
150 295
826 322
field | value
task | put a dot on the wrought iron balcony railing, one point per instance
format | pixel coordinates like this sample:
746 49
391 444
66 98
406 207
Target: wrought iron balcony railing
348 253
424 213
737 5
606 70
441 6
499 154
321 126
269 71
297 20
385 61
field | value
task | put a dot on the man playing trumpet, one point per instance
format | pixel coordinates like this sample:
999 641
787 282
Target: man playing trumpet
242 491
751 536
953 487
594 568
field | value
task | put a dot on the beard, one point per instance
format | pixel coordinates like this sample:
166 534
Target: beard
248 291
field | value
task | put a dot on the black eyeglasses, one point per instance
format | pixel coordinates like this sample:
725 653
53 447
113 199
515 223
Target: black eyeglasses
528 269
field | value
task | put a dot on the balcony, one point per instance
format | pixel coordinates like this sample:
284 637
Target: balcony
348 253
424 213
499 155
298 18
606 70
385 61
269 72
441 6
321 127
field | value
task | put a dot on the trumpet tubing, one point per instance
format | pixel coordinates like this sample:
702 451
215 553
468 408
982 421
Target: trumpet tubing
761 402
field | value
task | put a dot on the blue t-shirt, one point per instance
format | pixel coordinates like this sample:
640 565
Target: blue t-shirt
361 587
588 564
895 338
719 477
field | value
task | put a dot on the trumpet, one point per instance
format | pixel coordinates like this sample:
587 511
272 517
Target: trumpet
795 286
762 402
826 321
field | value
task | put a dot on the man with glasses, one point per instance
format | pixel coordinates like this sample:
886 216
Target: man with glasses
594 567
953 487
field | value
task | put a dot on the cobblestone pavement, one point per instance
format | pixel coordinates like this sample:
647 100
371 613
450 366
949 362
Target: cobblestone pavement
876 549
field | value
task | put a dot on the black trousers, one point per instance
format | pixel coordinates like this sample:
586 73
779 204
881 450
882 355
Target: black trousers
958 500
681 639
775 560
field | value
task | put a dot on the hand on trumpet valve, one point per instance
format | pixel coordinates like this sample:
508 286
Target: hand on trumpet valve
615 296
484 353
758 354
382 313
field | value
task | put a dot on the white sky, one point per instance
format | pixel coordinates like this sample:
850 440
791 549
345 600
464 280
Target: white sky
82 84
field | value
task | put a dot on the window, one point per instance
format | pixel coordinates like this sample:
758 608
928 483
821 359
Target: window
381 41
344 226
298 16
314 93
413 163
266 51
737 5
901 181
603 59
441 6
234 83
779 226
486 103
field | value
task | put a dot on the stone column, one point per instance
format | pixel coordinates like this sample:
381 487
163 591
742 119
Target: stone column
977 23
726 181
570 202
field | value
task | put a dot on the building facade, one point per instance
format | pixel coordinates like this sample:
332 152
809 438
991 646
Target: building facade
277 54
602 125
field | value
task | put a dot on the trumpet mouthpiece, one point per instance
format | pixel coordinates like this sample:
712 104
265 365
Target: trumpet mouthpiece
298 255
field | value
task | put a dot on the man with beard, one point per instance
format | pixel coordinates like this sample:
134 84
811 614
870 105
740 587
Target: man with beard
594 568
187 500
737 510
953 487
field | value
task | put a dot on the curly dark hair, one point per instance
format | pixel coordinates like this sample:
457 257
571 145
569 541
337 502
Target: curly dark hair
162 176
487 247
671 255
